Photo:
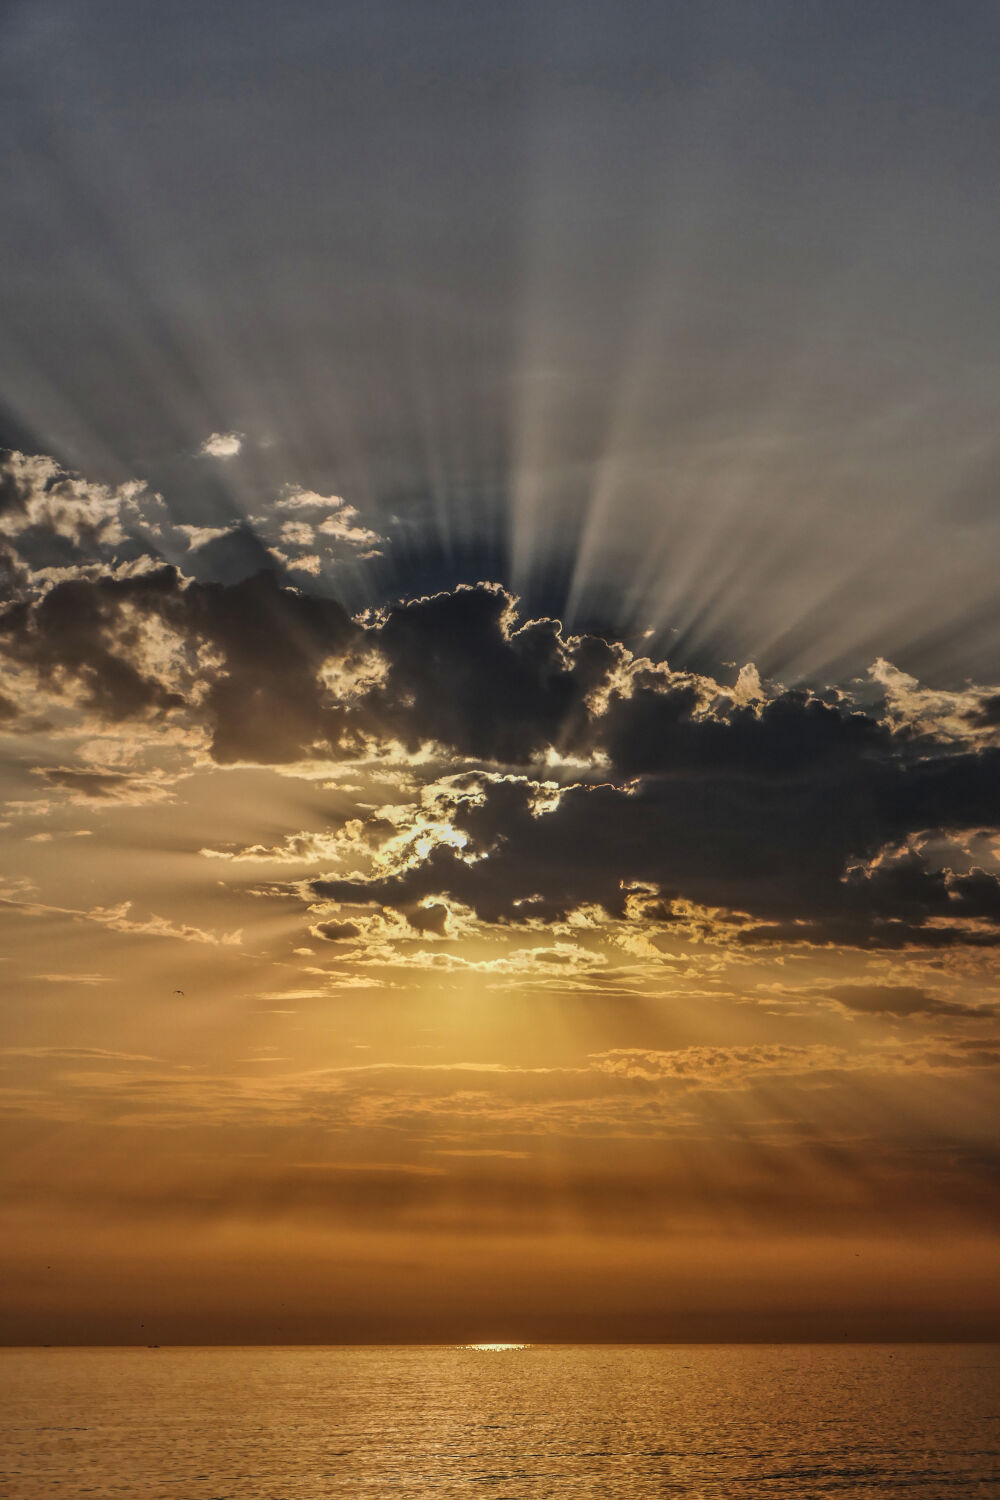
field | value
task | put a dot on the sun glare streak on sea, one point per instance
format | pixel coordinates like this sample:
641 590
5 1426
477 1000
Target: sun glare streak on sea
494 1348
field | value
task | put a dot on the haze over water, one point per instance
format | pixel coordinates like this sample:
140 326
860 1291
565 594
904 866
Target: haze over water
712 1422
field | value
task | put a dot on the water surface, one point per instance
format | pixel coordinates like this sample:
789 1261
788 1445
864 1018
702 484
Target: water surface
711 1422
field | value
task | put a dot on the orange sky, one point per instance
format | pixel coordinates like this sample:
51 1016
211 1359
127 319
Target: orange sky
257 1088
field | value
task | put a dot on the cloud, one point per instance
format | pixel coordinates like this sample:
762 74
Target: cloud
295 498
36 494
972 714
119 919
797 817
699 1066
340 521
76 1054
200 536
986 712
107 786
222 445
62 833
57 526
87 979
513 691
297 533
244 661
775 856
900 1000
336 932
296 848
748 687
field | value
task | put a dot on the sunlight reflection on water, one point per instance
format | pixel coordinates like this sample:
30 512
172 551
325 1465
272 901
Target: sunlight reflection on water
494 1348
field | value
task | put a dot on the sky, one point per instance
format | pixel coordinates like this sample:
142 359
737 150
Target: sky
499 671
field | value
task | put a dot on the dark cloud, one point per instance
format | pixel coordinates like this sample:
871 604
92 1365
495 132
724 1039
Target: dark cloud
898 1000
803 813
657 729
267 704
76 636
803 855
432 918
987 715
238 554
462 673
456 670
89 783
336 932
250 654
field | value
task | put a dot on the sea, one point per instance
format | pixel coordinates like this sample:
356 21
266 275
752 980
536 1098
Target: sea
503 1422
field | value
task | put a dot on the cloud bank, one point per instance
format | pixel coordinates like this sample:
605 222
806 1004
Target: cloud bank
560 770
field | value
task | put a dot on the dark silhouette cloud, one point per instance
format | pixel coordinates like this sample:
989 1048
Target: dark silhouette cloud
744 848
988 712
89 783
462 673
805 818
336 932
899 1000
77 635
248 656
